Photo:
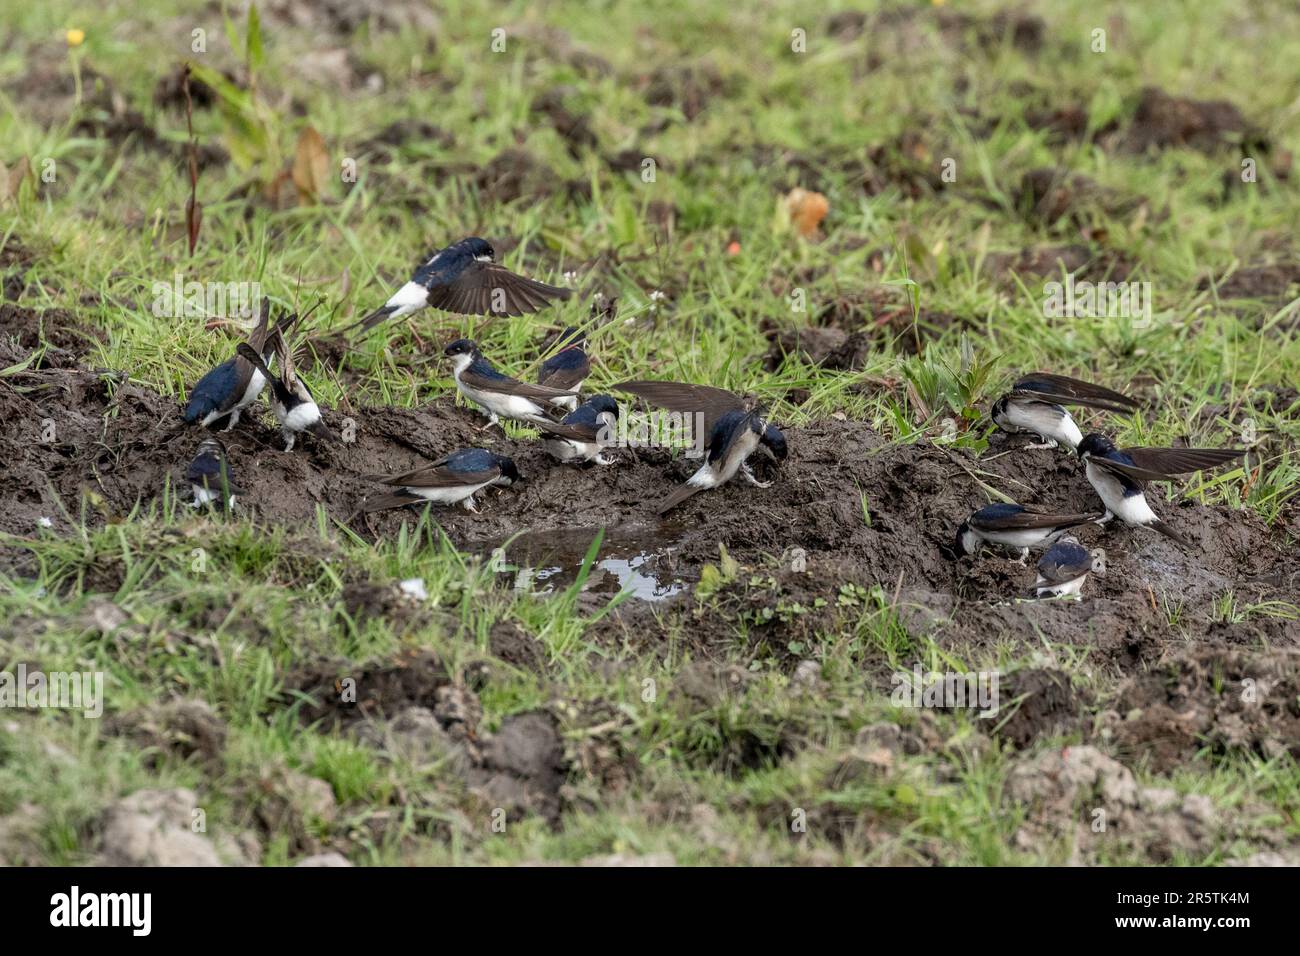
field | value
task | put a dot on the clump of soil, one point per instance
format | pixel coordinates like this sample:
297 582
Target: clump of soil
1037 702
690 87
1256 282
1162 121
1217 700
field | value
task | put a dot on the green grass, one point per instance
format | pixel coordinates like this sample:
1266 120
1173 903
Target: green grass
111 225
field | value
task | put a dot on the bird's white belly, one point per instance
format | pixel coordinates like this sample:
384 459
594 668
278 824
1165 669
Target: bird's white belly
1073 586
300 418
254 389
564 449
744 446
507 406
1019 538
1043 420
448 496
1131 510
204 496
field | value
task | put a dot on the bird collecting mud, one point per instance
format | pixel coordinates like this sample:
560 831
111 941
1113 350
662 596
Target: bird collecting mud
1035 405
734 425
223 393
1119 476
1014 527
451 480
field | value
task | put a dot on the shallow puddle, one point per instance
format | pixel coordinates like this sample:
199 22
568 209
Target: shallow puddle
636 560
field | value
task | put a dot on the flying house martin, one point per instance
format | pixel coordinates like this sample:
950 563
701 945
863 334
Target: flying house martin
1014 527
499 395
464 278
1063 568
291 400
734 437
224 392
1119 476
452 479
209 476
1035 405
584 433
568 368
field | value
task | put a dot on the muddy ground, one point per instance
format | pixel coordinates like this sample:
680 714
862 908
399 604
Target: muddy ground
116 444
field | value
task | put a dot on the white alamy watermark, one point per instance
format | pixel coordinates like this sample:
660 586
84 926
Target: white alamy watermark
656 429
946 690
68 690
179 299
75 908
1097 300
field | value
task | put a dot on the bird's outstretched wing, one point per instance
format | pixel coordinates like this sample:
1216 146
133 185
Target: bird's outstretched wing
706 400
1063 390
485 288
1160 464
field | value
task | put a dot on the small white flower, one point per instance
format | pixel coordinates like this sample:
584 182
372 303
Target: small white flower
44 522
414 587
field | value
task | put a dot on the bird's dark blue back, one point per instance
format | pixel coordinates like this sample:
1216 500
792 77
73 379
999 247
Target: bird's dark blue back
725 432
207 466
472 459
449 263
998 510
1068 554
588 411
212 391
481 366
569 358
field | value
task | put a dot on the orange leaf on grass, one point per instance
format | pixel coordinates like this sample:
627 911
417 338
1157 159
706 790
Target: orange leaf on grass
807 210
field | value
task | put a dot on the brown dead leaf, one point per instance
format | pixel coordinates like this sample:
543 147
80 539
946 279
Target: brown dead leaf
807 210
11 180
311 164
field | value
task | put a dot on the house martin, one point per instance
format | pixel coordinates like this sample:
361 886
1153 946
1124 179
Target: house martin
733 438
291 400
1014 527
1062 569
583 434
209 476
465 279
706 406
499 395
1035 405
568 368
1119 476
221 394
452 479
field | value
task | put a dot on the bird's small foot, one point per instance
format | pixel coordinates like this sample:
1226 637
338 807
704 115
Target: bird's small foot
1024 556
470 505
289 441
1046 444
749 476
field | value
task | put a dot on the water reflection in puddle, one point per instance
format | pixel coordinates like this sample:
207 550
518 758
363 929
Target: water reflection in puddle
636 560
